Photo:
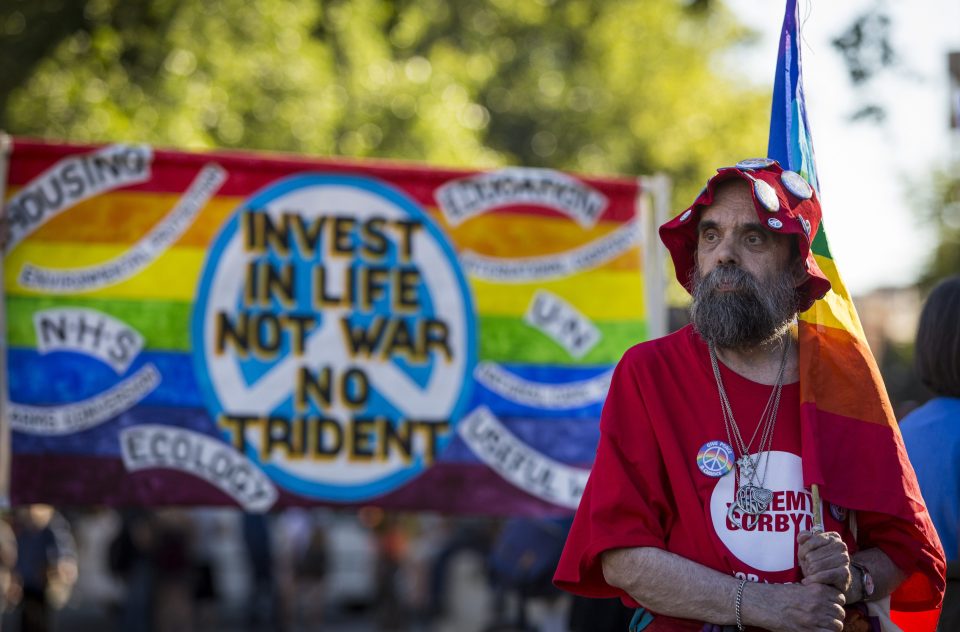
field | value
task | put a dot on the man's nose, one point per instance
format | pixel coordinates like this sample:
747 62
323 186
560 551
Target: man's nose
726 252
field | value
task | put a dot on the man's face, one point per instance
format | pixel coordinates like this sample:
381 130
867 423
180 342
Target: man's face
745 280
731 234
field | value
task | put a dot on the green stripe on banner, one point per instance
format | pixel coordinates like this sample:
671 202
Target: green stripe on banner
511 340
165 325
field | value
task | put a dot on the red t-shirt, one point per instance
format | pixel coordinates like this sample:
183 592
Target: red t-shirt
658 479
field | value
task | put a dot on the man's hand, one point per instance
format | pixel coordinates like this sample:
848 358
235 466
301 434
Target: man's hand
798 607
824 559
669 584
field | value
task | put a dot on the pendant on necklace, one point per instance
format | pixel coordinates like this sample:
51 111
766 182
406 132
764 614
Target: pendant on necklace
741 519
750 503
753 499
747 468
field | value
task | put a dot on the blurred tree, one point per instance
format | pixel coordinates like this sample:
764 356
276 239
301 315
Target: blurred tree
943 214
867 50
587 85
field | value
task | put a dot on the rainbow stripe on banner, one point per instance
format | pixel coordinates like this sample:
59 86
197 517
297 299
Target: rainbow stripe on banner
852 445
268 331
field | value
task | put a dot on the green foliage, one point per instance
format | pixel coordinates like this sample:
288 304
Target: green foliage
943 214
595 86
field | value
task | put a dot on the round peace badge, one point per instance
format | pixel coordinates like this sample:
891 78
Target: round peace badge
333 336
715 458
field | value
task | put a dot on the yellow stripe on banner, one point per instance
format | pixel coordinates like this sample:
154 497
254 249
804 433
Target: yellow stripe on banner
836 309
175 274
601 295
172 276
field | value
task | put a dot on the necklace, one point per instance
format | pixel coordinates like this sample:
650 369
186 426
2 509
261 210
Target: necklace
752 498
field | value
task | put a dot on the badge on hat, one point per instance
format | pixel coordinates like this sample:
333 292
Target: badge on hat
805 224
686 215
755 163
715 458
767 196
773 222
794 183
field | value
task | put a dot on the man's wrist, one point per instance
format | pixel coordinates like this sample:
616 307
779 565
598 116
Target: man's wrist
861 583
758 604
855 592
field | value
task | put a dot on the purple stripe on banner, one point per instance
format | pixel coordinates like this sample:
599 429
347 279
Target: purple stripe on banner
77 481
570 441
103 440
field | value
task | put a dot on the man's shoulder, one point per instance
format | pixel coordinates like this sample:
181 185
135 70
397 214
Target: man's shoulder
674 347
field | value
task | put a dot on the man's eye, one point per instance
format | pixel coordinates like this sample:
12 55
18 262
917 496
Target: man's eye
754 240
709 236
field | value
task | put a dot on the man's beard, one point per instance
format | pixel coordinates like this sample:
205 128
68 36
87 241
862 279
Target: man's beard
748 314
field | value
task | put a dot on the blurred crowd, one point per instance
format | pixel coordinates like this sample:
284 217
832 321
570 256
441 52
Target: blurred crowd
178 570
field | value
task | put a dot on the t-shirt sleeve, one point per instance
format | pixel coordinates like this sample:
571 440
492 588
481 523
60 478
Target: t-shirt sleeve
625 500
923 586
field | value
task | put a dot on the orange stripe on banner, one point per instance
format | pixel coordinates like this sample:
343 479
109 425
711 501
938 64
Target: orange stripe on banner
519 236
125 217
841 375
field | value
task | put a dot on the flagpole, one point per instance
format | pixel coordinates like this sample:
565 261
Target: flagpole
6 147
817 508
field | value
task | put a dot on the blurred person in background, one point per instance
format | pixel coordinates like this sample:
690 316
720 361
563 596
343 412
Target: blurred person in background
130 559
310 571
931 433
263 611
8 560
392 546
471 534
46 566
207 529
301 567
173 600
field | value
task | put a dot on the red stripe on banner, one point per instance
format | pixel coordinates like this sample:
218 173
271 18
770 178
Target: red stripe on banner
841 376
173 172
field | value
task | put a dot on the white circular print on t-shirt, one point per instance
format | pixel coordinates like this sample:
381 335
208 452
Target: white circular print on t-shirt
767 543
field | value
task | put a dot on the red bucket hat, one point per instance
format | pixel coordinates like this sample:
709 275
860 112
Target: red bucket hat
784 203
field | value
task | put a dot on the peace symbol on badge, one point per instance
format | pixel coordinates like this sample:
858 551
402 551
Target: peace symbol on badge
715 458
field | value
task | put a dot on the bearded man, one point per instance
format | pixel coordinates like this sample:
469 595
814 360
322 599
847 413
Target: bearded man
696 506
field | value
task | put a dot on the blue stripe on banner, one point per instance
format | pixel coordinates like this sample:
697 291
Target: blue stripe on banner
66 377
549 375
572 441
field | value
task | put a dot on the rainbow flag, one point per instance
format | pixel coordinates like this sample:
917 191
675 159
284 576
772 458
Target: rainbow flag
852 445
268 331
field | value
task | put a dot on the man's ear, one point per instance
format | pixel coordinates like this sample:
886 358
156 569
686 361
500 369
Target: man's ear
798 271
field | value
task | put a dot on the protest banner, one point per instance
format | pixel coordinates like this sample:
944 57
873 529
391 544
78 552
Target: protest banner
266 331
